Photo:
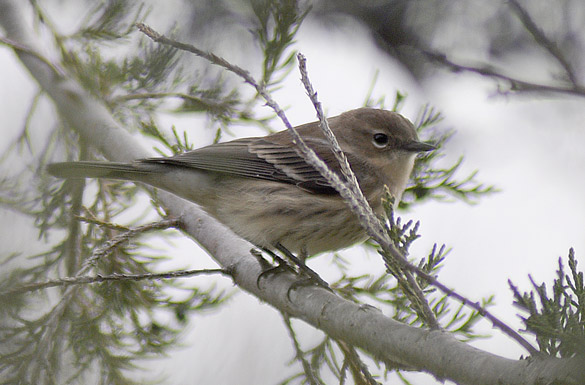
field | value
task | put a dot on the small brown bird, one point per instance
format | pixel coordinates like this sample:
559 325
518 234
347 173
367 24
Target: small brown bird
266 193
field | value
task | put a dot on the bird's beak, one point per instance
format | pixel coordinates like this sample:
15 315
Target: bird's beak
416 146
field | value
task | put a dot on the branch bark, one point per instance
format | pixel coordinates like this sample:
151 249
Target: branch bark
436 352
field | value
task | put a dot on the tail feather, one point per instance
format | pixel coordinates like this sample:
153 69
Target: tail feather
110 170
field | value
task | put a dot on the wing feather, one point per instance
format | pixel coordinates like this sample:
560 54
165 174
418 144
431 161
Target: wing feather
259 158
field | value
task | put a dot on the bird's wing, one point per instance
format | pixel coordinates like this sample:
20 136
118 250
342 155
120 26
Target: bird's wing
260 158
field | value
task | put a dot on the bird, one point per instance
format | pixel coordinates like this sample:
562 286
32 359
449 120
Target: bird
264 191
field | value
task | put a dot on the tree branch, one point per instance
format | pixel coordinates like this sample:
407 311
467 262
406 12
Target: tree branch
431 351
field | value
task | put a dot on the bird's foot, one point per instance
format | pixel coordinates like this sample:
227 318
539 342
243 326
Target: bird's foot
281 266
311 277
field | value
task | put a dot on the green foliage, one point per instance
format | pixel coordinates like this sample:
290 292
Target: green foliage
174 145
380 102
557 319
278 22
322 356
106 326
109 20
404 302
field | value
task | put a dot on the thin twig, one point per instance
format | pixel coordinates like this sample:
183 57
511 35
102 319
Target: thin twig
324 124
496 322
108 247
515 84
162 95
213 58
87 279
90 218
352 182
73 243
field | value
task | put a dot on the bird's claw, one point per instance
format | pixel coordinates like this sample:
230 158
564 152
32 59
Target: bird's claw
269 269
311 278
280 268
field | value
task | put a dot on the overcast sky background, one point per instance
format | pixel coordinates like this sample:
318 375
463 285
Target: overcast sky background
529 147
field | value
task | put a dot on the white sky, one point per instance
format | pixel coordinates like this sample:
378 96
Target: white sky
530 147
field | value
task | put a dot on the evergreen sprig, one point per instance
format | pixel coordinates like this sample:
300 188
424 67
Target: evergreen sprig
109 20
277 24
556 318
393 292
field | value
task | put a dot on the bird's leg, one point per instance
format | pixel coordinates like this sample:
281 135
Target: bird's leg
303 255
313 277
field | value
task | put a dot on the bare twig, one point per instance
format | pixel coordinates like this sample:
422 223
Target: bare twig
574 87
515 84
365 209
213 58
74 239
376 230
87 279
496 322
544 41
324 124
106 249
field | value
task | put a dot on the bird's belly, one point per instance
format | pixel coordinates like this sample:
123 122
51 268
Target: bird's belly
268 213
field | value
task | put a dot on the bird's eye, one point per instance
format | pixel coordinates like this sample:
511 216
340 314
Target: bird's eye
380 140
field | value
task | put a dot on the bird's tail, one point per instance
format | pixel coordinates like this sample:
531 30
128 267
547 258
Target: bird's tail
86 169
